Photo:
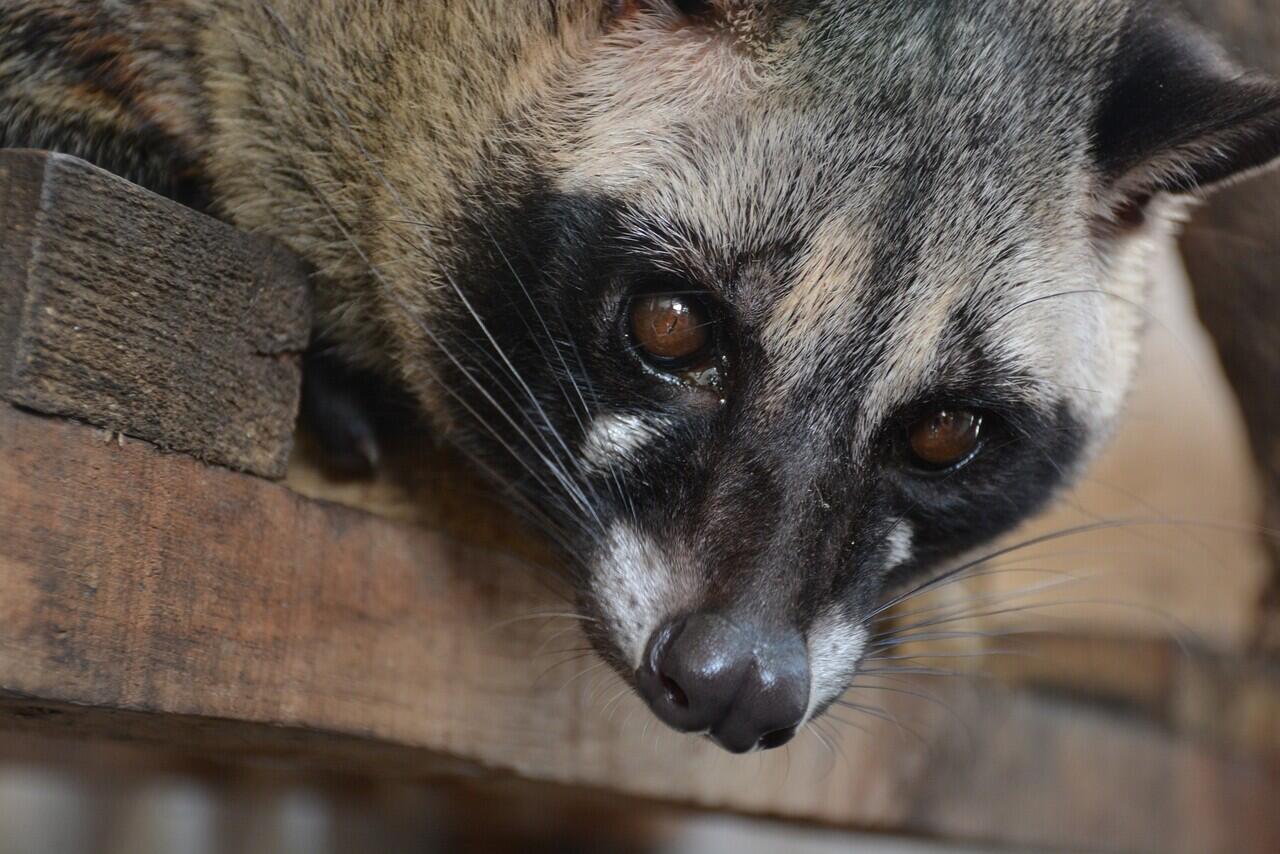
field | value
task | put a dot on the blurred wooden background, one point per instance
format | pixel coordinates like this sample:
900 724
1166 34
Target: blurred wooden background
1154 623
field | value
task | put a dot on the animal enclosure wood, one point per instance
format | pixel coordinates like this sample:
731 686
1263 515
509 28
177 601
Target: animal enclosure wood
137 314
144 595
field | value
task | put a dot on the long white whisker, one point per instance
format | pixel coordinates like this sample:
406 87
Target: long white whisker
571 488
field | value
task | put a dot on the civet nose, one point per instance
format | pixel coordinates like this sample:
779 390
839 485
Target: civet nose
744 685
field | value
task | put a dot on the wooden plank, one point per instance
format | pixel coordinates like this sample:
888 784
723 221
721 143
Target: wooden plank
1232 701
136 314
144 595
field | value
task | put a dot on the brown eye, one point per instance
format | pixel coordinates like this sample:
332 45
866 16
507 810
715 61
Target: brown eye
671 331
945 439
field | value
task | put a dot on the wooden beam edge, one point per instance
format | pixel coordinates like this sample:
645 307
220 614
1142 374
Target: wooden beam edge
138 583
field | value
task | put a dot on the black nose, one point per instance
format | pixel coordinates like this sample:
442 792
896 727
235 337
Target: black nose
744 685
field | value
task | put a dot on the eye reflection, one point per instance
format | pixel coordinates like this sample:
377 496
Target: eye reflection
945 439
672 332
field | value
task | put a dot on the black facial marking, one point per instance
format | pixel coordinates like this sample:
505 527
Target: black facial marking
1025 456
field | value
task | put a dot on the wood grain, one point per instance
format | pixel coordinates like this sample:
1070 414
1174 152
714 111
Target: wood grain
146 596
136 314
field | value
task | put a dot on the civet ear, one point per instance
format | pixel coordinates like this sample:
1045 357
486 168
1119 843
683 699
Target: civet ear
1178 116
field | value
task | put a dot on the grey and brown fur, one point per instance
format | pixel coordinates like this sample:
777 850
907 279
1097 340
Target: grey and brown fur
897 205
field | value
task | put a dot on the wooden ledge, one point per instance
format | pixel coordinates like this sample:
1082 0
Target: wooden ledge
145 595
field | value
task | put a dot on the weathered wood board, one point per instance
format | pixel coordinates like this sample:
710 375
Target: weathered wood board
144 595
131 312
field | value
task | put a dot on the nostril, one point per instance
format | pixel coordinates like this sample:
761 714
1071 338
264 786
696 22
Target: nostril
657 681
777 738
745 684
657 649
675 694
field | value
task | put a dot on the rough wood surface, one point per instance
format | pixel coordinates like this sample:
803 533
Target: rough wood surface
136 314
1232 252
143 595
1232 701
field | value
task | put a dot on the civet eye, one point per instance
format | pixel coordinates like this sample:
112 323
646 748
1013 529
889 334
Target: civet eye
945 439
671 331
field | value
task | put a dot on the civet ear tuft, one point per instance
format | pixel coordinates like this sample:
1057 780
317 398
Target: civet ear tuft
1178 115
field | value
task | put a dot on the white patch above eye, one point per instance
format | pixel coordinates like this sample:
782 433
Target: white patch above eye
836 645
616 439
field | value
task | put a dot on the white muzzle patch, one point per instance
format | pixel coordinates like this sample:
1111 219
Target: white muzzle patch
636 588
835 648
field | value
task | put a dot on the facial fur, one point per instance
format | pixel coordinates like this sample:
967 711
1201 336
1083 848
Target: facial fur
885 208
